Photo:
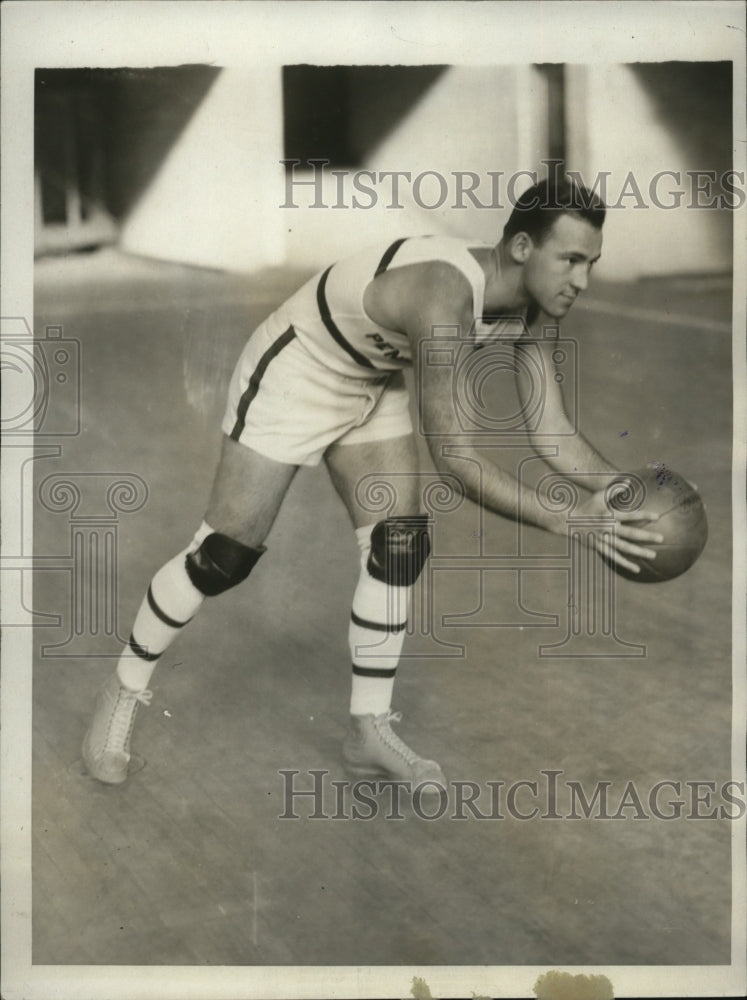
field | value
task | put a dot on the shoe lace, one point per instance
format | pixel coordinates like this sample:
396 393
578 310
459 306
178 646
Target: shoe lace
388 736
122 718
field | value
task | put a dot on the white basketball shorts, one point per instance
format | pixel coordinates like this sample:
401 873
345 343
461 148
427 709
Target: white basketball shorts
288 406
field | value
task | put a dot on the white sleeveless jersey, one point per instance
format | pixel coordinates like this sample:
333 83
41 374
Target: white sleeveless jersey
328 317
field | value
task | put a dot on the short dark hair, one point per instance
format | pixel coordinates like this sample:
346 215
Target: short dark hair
537 209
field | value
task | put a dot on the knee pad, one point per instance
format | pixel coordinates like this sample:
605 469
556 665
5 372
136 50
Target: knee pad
220 563
399 549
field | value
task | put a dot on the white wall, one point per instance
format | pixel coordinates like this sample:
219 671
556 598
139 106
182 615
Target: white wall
620 122
477 119
217 199
212 201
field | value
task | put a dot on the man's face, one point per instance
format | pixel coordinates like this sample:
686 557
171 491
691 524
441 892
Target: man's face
558 269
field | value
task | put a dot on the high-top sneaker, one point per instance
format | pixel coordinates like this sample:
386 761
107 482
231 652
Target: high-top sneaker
372 748
106 746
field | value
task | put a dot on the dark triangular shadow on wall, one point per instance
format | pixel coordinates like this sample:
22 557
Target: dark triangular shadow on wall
341 113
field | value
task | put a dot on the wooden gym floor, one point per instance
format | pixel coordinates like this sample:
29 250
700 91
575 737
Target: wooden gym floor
189 863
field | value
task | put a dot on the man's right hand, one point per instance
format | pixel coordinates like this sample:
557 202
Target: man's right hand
621 542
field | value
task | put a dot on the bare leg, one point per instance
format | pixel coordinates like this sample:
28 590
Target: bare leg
395 460
248 490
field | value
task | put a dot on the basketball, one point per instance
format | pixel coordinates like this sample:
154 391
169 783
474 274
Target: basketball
682 521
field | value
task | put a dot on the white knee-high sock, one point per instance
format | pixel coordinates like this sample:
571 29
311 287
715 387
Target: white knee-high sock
171 601
376 635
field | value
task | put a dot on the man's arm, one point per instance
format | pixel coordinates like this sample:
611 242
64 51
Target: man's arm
482 481
575 457
446 303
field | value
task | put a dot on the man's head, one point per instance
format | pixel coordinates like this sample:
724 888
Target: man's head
555 235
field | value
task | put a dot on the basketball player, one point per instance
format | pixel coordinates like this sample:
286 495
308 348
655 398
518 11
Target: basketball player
322 379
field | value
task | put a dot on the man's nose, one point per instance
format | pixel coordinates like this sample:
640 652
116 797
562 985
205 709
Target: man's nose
580 277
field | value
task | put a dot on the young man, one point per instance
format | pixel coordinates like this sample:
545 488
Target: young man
322 378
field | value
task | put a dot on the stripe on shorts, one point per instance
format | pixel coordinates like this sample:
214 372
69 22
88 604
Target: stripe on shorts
386 260
334 330
373 671
141 651
160 613
376 626
253 388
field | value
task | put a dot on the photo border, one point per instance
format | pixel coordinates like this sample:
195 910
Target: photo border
141 34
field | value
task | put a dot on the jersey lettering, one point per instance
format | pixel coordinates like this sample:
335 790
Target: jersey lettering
387 349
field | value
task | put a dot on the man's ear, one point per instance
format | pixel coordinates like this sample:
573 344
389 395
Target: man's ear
520 247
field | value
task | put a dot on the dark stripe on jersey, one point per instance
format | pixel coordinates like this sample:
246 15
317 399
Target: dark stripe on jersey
160 613
386 260
373 671
141 651
253 388
321 300
376 626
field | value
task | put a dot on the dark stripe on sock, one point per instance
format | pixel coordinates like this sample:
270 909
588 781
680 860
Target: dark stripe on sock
372 671
253 388
321 300
386 260
160 613
376 626
141 651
